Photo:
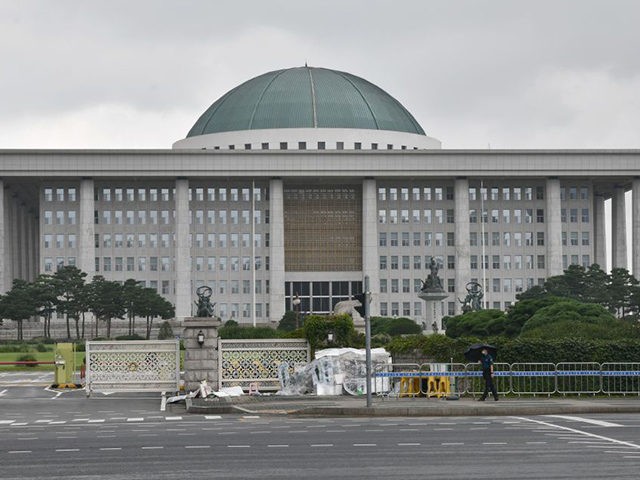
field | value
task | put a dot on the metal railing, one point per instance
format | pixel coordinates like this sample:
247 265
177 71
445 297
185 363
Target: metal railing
563 378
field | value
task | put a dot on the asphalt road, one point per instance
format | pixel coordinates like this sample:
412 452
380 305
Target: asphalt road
47 435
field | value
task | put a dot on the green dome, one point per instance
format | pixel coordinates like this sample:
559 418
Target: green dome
305 97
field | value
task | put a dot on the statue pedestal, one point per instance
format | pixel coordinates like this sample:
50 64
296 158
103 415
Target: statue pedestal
433 310
200 361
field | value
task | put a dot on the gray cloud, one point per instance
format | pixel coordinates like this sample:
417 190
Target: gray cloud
138 74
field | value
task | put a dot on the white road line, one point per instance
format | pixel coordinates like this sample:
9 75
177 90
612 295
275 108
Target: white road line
6 422
173 418
3 392
20 424
320 445
67 449
197 446
238 446
409 444
600 423
28 438
336 431
97 420
375 430
212 417
537 443
451 443
58 422
135 419
364 445
251 416
111 448
19 451
588 434
152 448
278 446
494 443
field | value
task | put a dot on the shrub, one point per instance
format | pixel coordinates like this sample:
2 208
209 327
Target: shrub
165 332
27 358
41 348
135 336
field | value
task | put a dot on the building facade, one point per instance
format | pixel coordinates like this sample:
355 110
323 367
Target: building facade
299 183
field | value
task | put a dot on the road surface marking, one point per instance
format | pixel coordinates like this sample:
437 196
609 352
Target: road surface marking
494 443
152 448
80 420
588 434
197 446
6 422
97 420
3 392
21 424
322 444
111 448
278 446
67 449
173 418
600 423
364 445
135 419
212 417
451 443
409 444
19 451
58 422
238 446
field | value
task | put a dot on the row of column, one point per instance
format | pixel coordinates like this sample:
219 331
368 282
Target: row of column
554 265
184 295
19 239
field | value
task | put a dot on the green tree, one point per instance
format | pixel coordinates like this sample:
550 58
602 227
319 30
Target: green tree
481 323
105 301
165 332
44 295
18 305
288 321
150 305
572 319
69 282
131 292
619 291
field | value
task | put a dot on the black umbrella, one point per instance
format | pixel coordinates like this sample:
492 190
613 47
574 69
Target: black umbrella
474 352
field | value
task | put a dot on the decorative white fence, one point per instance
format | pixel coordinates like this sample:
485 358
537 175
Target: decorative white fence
243 362
133 366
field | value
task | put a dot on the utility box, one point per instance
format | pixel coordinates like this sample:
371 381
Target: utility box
65 362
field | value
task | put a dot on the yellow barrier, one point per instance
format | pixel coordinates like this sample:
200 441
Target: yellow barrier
439 387
409 387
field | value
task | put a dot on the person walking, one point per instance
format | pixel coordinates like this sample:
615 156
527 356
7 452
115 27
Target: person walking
486 361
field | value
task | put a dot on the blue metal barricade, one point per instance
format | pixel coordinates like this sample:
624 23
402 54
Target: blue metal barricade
620 378
533 378
578 378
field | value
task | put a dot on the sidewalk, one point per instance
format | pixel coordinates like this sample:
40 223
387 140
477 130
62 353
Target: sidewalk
414 407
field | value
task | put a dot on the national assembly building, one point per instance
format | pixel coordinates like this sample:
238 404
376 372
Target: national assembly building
300 182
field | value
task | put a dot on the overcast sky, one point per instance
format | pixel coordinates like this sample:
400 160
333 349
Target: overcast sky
477 73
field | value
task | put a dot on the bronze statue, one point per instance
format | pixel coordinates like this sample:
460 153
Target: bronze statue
205 307
433 282
471 302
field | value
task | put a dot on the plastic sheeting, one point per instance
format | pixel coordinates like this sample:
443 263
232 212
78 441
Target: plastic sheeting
333 371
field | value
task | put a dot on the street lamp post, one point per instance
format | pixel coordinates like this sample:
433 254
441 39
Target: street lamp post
296 309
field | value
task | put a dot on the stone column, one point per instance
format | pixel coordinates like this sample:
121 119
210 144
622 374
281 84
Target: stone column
370 242
31 246
15 239
635 226
463 255
276 250
599 232
4 285
182 251
86 229
24 247
618 230
554 228
201 361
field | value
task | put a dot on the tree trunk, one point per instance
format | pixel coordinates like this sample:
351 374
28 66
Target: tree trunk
108 328
77 322
97 319
149 325
83 325
68 327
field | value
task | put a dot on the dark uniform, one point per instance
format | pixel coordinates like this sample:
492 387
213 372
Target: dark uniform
487 374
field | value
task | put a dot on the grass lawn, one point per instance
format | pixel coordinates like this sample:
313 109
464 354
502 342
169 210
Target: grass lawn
39 356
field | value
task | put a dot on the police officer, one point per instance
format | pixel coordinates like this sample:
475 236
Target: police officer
487 373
